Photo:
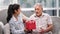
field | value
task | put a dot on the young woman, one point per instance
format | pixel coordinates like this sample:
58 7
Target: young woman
15 19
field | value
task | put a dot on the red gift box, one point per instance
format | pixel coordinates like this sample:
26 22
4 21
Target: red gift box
30 25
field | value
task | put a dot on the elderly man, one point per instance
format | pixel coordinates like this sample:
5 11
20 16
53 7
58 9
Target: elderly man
43 21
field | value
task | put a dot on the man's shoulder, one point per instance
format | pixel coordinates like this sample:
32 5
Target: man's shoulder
46 14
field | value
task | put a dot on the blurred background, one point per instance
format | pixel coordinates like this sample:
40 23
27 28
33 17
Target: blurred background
51 7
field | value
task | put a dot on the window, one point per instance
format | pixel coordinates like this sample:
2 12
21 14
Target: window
47 3
51 12
59 3
59 12
30 3
52 6
26 3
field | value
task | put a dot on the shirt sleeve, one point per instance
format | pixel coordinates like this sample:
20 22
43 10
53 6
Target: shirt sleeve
14 30
49 19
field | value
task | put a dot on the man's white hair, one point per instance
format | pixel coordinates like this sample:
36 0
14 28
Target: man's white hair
39 4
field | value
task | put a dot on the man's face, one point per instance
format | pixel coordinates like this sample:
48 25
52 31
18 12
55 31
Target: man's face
38 10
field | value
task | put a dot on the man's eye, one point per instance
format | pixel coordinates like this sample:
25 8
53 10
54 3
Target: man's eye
36 9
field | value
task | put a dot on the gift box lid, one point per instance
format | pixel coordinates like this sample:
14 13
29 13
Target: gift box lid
31 24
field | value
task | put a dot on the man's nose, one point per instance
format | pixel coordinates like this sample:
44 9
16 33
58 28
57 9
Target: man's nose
36 10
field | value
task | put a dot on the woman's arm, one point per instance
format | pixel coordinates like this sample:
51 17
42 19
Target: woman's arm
24 18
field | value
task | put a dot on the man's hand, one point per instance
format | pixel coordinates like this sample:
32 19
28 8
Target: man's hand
42 31
49 28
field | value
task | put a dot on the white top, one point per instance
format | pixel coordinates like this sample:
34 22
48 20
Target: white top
42 21
17 27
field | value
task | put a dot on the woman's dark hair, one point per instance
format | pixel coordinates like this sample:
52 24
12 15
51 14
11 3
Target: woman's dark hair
11 10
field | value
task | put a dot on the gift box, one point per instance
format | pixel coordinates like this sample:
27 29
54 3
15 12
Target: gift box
31 24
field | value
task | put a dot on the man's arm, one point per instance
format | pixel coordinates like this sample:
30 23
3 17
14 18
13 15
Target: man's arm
49 28
49 24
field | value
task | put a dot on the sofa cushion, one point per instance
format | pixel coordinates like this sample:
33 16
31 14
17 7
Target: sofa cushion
7 29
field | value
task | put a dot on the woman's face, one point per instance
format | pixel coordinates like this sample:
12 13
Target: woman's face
18 11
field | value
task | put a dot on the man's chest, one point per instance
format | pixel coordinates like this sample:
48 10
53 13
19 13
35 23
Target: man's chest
41 21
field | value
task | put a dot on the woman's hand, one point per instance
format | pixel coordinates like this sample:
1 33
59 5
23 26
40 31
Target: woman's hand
25 30
24 20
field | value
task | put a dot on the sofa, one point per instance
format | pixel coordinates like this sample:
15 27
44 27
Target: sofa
5 29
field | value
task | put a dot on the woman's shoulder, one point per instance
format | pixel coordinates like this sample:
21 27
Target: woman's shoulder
12 20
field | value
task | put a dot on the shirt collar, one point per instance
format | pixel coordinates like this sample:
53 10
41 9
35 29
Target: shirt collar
14 18
19 16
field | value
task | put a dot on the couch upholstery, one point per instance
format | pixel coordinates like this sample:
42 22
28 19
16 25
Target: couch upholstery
56 23
7 29
1 28
3 15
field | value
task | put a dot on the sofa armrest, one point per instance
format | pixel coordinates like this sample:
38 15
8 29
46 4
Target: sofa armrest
7 29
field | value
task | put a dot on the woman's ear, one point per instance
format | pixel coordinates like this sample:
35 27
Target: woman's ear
15 11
